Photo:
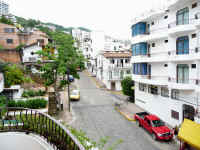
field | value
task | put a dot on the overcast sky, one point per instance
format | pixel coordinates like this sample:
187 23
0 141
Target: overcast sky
112 16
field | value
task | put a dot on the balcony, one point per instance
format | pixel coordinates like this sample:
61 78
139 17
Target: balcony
193 54
120 66
182 84
153 80
158 56
39 124
187 27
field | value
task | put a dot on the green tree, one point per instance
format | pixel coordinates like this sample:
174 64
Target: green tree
66 59
14 75
127 86
5 20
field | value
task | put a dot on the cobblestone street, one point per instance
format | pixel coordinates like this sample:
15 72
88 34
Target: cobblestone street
95 114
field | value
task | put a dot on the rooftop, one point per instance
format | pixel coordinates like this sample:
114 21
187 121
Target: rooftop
117 54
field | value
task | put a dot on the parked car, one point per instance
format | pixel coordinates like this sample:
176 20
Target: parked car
71 78
75 95
154 125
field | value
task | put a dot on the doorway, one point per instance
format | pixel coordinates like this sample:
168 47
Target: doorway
113 86
188 112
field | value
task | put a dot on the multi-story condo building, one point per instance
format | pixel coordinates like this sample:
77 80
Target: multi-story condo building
83 43
166 61
4 8
112 67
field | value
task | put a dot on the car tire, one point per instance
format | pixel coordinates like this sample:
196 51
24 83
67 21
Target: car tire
154 137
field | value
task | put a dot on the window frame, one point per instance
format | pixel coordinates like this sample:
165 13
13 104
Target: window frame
175 94
164 93
9 41
142 87
181 78
184 16
182 45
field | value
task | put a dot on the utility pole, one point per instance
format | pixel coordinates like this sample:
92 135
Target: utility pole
68 89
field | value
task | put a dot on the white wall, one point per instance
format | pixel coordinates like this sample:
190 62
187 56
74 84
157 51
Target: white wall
27 53
1 82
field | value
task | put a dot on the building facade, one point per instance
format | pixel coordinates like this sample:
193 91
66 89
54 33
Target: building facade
11 37
166 61
112 67
4 8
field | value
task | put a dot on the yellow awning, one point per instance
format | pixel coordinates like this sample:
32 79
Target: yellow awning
190 133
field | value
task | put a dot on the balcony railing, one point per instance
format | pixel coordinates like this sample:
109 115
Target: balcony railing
184 81
184 22
32 121
120 66
188 52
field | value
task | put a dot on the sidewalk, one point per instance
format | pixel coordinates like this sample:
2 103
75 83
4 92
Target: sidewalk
64 116
128 110
98 82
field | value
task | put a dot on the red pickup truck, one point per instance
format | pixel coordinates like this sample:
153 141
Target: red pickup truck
154 125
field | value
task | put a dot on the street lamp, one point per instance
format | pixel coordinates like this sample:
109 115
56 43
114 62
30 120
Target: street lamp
68 72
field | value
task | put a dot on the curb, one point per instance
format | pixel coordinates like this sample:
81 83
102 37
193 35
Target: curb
123 114
97 84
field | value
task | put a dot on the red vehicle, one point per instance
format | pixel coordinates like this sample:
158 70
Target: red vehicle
154 125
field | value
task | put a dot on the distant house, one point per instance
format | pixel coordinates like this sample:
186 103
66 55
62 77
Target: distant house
12 37
30 57
112 67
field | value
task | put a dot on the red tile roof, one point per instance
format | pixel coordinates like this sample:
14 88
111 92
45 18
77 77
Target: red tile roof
117 54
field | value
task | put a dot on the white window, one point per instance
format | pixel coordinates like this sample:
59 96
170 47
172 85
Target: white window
164 92
142 87
175 94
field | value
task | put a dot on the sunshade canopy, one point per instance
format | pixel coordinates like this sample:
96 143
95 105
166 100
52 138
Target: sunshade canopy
190 133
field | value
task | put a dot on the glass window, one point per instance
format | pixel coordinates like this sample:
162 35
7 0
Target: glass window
164 92
182 16
142 87
9 41
140 68
175 94
128 72
182 45
139 28
9 30
153 89
182 73
157 123
139 49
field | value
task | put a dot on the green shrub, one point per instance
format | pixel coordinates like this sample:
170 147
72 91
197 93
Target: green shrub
3 99
32 93
127 86
32 103
11 103
21 103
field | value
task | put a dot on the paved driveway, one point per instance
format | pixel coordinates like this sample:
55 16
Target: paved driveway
96 116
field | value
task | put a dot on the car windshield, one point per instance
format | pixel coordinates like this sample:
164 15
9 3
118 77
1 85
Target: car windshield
157 123
75 92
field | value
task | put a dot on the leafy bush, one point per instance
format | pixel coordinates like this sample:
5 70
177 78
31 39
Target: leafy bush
3 99
32 93
32 103
20 103
127 84
11 103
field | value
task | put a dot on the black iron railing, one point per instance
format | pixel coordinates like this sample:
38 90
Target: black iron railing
32 121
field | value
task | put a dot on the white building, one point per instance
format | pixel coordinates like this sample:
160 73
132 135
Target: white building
83 42
30 53
101 43
166 61
4 8
112 67
1 82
